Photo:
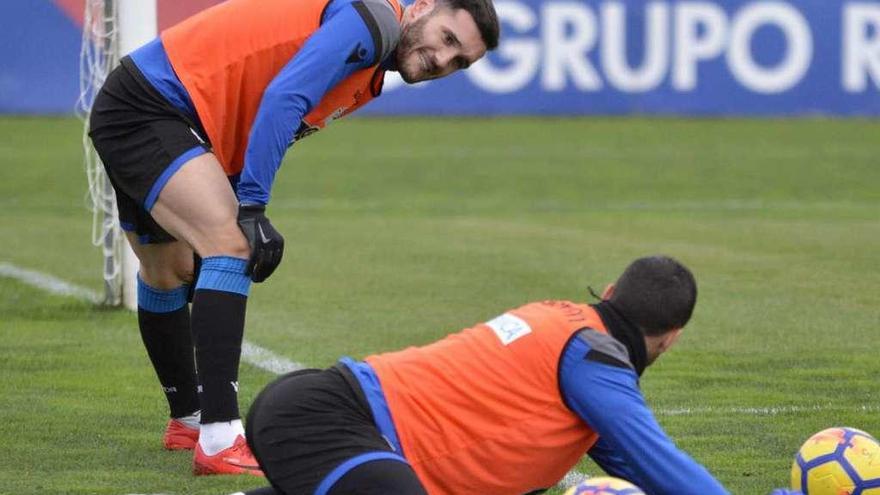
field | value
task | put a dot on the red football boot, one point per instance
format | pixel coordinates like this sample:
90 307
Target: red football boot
237 459
179 436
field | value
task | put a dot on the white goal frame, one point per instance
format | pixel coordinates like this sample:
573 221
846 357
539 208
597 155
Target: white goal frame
111 30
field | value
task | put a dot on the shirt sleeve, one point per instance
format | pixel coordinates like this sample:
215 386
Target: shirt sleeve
632 444
352 36
610 461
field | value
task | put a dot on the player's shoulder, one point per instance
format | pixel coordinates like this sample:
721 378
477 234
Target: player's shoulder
392 6
381 18
604 348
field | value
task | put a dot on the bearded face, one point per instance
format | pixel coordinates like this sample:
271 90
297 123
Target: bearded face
413 60
437 43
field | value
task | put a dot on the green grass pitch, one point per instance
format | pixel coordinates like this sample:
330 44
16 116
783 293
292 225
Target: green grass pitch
400 231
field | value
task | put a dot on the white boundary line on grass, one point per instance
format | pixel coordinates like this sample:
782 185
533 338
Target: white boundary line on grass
251 353
765 411
48 283
267 360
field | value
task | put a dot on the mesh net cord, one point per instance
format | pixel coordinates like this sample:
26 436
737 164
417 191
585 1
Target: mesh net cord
99 54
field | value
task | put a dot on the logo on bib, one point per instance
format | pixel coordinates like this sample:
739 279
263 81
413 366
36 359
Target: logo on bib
509 328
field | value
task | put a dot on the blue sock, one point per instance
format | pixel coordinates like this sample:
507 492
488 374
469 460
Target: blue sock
160 300
218 314
163 320
224 273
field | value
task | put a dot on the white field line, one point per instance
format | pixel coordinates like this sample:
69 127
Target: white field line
766 411
48 283
251 353
267 360
572 478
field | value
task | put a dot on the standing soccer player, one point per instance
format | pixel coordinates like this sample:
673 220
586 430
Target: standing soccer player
506 407
192 129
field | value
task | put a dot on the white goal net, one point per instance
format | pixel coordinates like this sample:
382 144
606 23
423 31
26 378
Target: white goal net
111 28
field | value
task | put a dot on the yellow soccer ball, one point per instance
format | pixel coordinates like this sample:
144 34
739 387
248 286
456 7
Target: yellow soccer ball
838 461
604 486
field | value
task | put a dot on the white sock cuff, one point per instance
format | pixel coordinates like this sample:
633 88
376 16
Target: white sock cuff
214 437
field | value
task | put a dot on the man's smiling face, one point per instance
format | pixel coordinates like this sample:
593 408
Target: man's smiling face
437 41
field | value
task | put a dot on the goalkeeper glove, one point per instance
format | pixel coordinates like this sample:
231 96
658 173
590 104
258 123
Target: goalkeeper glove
267 245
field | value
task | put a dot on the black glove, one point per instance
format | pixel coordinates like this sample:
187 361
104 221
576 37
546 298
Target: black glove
267 245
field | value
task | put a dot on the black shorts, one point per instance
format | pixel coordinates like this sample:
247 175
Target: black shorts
142 140
312 432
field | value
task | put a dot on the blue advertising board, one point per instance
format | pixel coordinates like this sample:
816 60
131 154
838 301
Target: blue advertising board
568 57
39 58
731 57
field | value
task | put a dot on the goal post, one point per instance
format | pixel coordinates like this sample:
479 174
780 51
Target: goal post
111 29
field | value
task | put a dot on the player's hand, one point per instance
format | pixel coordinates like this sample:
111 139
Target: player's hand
267 245
786 491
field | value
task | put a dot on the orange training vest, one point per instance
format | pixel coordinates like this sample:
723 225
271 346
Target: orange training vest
476 415
227 55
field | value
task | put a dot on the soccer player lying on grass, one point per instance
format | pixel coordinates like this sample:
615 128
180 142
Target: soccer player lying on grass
192 128
506 407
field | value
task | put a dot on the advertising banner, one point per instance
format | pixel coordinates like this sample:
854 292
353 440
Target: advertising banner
733 57
563 57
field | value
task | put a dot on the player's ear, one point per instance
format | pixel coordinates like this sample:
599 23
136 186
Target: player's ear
420 7
608 292
669 339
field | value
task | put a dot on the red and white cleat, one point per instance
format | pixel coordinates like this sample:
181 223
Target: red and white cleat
237 459
179 436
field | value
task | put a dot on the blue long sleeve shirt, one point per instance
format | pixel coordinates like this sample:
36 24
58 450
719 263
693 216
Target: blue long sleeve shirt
632 445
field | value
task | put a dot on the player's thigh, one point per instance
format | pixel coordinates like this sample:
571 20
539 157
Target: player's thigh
378 477
164 265
198 205
304 426
150 149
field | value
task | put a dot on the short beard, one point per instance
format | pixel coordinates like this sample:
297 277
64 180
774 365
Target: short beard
409 38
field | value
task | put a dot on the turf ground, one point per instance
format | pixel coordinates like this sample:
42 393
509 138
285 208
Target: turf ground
399 231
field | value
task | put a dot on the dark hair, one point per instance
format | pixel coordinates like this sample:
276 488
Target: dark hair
484 15
656 293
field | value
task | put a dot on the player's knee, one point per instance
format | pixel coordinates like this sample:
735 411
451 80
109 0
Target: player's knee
185 273
227 243
165 277
167 273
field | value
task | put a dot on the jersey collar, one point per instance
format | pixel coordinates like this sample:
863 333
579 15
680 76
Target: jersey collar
626 333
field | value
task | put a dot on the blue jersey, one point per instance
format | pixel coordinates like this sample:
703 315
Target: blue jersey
631 444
